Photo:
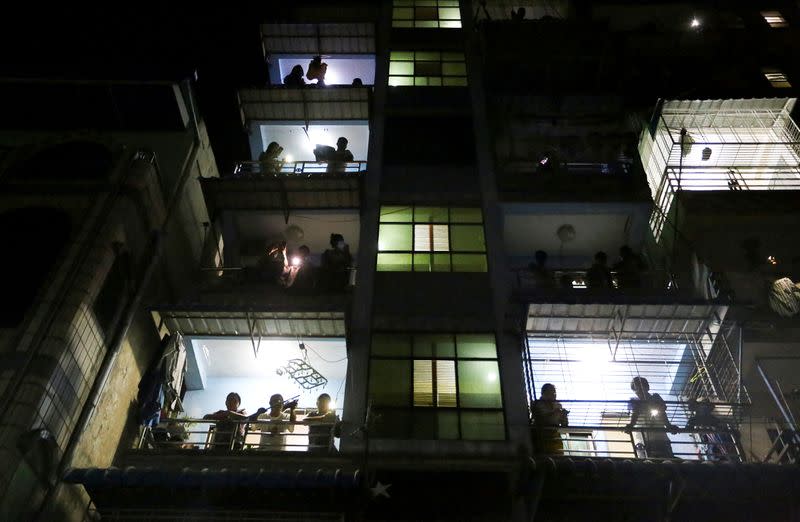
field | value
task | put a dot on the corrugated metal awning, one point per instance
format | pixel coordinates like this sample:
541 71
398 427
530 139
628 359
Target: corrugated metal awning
279 103
254 324
318 39
623 321
281 193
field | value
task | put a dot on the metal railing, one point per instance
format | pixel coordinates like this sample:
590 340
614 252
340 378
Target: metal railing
247 169
575 279
602 429
238 436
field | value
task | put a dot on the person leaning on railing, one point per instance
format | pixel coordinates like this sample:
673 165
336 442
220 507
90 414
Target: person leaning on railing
548 415
230 425
649 411
322 423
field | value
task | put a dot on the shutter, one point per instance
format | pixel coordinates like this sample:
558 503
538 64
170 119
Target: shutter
423 383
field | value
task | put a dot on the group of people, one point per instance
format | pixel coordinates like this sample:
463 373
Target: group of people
274 423
628 271
648 417
295 270
270 162
317 69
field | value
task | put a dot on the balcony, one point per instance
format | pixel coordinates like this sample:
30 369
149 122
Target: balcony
286 186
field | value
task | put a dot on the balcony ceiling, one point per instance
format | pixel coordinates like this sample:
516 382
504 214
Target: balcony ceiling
329 103
206 321
318 39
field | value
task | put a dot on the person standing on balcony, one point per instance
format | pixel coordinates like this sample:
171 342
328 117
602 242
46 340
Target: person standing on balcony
598 277
548 415
336 262
629 268
321 423
295 78
339 157
542 276
649 411
230 426
714 435
280 422
268 160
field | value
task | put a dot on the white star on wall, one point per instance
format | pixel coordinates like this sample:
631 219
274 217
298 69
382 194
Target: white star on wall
380 490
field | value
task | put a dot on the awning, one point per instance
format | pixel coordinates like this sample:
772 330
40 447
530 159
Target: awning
318 39
254 324
624 321
330 103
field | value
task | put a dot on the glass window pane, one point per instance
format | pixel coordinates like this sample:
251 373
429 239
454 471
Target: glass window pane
394 237
445 383
465 238
395 214
401 68
453 57
479 384
448 3
430 214
421 81
425 13
434 346
424 424
394 263
391 423
403 23
422 263
421 56
431 238
434 82
427 3
449 13
466 215
454 81
447 24
401 81
469 262
441 262
390 383
423 382
402 13
404 3
394 345
447 424
477 346
401 55
428 68
453 69
482 425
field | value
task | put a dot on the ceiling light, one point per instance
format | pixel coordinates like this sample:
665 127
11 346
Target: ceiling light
695 23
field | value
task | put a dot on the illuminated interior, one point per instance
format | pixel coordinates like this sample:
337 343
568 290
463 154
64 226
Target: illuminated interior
728 145
342 69
298 143
218 366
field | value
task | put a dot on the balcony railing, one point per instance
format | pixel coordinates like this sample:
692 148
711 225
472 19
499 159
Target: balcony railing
600 429
267 436
248 169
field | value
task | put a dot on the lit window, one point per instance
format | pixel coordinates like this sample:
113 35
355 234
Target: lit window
429 14
427 69
774 19
439 386
777 78
431 239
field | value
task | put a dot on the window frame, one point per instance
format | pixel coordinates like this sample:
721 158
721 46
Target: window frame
411 409
405 22
442 58
431 252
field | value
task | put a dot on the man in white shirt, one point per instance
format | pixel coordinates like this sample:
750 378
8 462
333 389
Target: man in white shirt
273 436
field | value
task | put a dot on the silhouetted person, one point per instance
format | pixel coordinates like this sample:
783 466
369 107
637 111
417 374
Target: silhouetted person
629 268
357 82
272 265
717 445
229 430
321 425
270 164
649 411
336 262
340 156
547 415
518 15
295 78
317 70
598 277
542 277
301 271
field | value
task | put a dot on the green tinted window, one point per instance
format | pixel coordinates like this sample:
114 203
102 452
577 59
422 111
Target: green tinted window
395 237
469 263
467 238
479 384
390 382
434 346
476 346
396 214
430 214
394 263
394 345
482 425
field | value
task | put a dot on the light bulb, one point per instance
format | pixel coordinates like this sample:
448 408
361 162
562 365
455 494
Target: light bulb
695 22
297 261
654 413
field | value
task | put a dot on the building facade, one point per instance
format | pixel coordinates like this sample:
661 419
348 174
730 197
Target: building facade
595 196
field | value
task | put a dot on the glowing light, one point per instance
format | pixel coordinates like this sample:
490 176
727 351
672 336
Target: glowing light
288 158
695 22
333 405
654 413
771 260
491 377
297 261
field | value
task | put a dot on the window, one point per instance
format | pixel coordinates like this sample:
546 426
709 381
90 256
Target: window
427 69
437 386
431 239
436 14
776 78
774 19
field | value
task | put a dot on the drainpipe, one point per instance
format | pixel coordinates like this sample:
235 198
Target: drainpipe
120 333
